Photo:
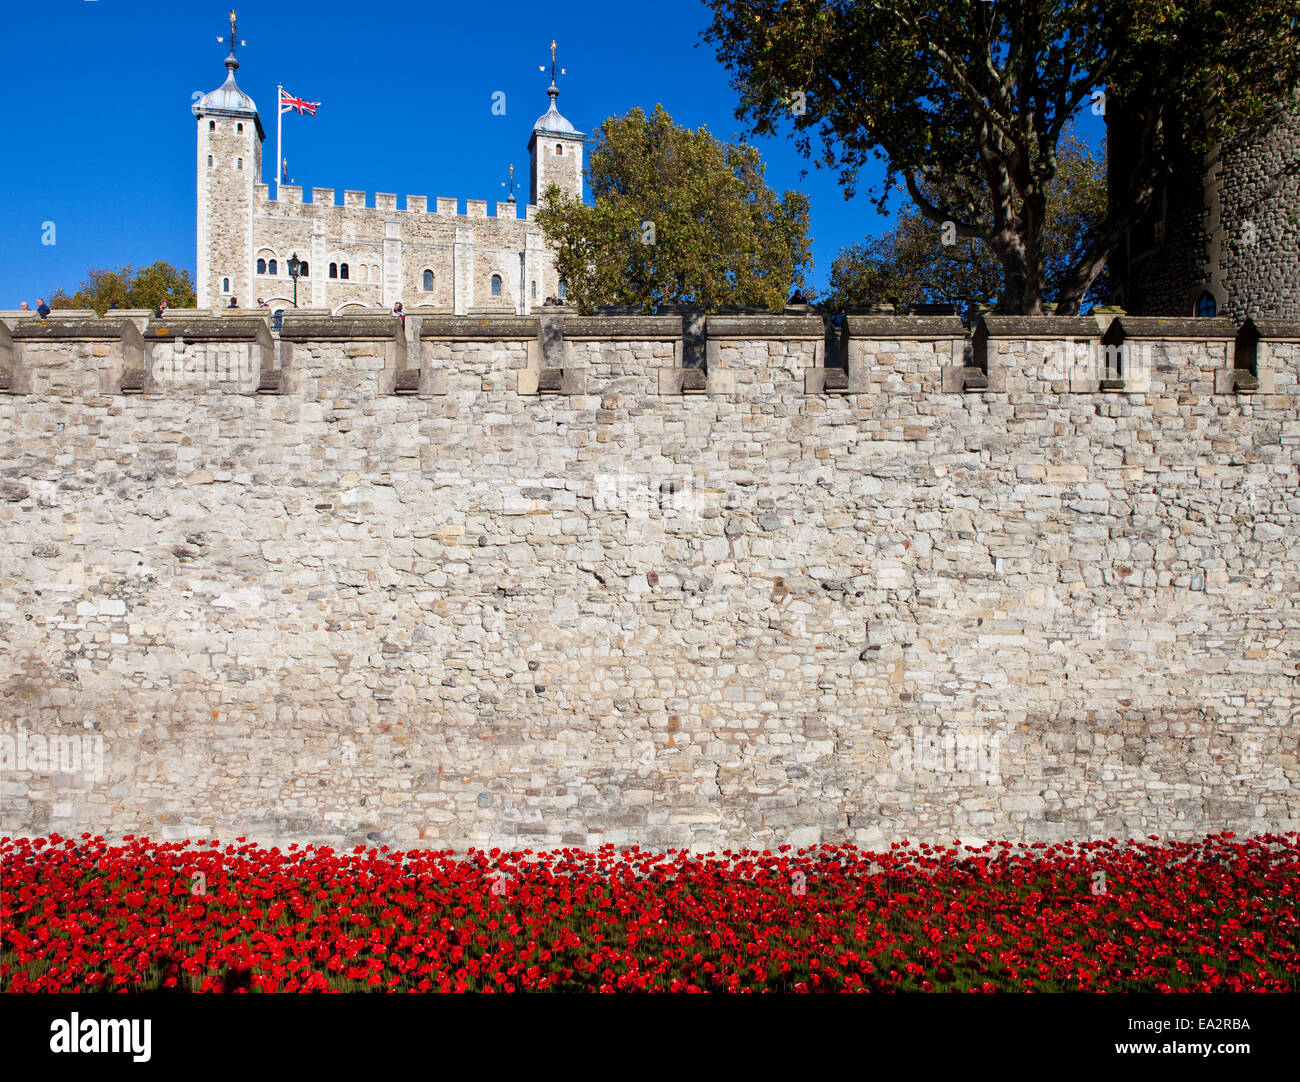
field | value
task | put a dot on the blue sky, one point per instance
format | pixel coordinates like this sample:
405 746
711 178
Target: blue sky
101 138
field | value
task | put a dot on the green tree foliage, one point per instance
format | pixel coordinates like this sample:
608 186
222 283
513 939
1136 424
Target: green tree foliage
676 218
911 264
127 287
967 100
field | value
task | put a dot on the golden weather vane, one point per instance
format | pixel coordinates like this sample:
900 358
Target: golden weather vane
542 67
234 39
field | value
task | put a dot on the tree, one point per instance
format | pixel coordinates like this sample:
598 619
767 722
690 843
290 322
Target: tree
967 100
676 218
128 288
920 261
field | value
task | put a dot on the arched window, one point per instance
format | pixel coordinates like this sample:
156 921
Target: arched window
225 285
261 266
302 271
534 291
343 271
428 281
334 270
271 267
212 125
564 291
363 274
209 161
1206 306
239 129
496 285
559 148
239 163
374 273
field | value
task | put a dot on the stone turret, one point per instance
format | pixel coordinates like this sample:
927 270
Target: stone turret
1220 236
555 149
229 139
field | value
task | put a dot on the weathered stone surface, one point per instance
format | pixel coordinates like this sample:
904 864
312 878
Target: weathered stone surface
753 616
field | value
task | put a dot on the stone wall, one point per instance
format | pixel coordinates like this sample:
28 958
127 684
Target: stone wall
462 250
510 609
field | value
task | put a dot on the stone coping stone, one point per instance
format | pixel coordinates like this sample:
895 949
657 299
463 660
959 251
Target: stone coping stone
112 329
209 329
1172 327
885 326
625 328
764 326
297 327
1038 326
932 310
1276 330
459 327
71 313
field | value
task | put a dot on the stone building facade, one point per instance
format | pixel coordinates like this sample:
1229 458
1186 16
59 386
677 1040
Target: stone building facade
528 581
366 252
1223 236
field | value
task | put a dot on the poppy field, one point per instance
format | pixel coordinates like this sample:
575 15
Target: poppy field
1219 914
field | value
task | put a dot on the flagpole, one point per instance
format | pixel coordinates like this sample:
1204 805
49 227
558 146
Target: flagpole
279 133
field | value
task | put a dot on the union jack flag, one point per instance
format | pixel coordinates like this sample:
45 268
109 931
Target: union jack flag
288 103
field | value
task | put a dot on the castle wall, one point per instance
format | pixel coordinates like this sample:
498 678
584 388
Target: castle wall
481 615
400 244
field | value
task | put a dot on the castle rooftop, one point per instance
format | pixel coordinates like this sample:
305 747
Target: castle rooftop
228 99
552 122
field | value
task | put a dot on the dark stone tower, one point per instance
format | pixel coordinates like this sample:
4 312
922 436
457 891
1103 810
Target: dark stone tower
1223 237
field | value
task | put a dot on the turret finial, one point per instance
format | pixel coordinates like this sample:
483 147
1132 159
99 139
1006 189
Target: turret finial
542 67
235 40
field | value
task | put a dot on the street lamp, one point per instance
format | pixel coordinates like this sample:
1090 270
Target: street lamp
295 265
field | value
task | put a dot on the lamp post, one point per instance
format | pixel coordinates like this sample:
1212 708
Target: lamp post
295 265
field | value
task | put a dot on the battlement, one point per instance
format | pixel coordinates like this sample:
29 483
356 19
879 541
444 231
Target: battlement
387 203
756 354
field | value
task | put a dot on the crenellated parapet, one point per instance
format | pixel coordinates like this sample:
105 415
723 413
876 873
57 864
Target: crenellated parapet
557 351
387 203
